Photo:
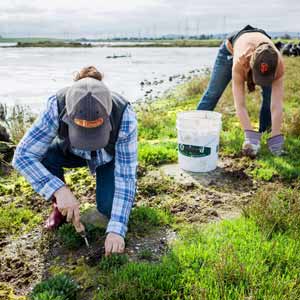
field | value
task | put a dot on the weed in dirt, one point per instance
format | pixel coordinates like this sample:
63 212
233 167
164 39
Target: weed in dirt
150 186
144 219
72 240
69 237
113 261
145 254
59 286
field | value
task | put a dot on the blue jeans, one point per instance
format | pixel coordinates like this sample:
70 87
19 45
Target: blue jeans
55 160
220 78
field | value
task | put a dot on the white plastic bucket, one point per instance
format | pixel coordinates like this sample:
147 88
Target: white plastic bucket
198 140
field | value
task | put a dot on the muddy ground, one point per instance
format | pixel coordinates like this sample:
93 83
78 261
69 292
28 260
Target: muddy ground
191 198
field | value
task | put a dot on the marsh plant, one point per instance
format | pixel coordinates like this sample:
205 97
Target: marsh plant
114 261
16 119
59 287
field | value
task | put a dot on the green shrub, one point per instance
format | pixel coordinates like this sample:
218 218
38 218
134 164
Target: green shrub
60 287
113 261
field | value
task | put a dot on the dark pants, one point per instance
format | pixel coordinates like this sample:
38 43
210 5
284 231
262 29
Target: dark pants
220 78
55 160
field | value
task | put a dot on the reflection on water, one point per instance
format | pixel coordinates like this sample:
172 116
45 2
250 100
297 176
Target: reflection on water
31 75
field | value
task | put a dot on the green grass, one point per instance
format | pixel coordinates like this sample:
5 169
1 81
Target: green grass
229 260
144 219
15 220
277 212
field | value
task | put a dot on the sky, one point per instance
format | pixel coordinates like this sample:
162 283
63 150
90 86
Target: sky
98 18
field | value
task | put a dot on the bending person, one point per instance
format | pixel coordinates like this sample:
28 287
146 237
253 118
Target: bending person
84 125
250 56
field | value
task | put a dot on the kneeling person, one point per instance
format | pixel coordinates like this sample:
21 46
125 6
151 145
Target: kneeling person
84 125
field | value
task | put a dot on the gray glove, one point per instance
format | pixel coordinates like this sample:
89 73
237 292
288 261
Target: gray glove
275 144
251 144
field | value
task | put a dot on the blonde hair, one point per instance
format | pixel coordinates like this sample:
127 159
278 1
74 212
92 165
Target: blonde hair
90 71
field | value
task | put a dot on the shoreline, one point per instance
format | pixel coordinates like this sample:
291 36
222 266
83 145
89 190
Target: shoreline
213 43
142 44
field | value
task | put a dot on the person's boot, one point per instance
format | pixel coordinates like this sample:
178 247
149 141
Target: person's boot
55 218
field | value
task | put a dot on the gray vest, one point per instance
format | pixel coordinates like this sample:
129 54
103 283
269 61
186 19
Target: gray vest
118 108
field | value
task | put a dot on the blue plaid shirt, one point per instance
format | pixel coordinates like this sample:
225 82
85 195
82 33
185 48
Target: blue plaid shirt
35 143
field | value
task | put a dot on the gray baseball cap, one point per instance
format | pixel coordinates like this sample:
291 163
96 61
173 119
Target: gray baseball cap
264 63
88 108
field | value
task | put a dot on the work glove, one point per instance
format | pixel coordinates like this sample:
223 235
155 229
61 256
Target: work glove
68 206
251 145
275 144
114 243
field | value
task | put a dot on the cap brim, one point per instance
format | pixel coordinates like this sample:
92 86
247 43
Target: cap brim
89 139
263 80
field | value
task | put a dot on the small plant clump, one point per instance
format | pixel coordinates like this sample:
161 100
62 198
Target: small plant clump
69 237
59 287
48 296
144 219
113 261
276 212
72 240
145 254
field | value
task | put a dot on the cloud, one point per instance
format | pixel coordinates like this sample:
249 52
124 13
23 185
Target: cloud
98 17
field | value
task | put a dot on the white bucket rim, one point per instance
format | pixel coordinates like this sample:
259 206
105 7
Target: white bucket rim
187 114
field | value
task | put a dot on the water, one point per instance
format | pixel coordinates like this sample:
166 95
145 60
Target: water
28 76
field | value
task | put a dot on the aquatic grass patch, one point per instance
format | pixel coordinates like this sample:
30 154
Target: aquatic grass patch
229 260
16 220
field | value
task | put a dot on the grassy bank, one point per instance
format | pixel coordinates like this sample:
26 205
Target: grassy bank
158 128
255 256
52 44
26 40
173 43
